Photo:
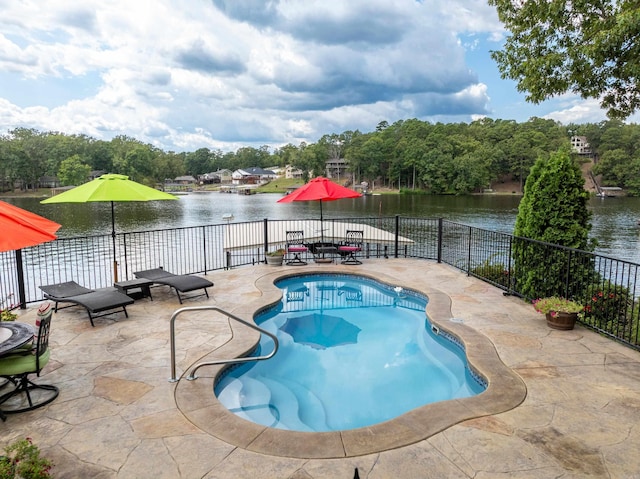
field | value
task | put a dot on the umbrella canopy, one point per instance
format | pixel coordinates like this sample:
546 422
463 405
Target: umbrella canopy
110 188
321 331
320 189
23 228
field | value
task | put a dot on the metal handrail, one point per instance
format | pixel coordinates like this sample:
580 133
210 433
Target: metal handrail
220 361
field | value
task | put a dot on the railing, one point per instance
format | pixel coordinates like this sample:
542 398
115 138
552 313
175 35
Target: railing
606 286
192 376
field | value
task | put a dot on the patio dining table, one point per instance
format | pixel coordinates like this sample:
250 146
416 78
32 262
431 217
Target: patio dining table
13 335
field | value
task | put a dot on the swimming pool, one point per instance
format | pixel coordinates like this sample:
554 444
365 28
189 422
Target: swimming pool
353 352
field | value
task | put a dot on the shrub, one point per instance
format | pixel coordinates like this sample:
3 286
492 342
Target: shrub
23 460
554 210
494 272
607 302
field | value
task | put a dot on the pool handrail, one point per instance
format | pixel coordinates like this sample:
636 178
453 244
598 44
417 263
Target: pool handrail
245 359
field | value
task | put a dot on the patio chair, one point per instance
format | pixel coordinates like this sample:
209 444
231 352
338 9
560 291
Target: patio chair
103 300
351 245
181 283
16 368
296 246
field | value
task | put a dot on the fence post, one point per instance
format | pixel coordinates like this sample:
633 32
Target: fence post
266 239
126 262
566 280
204 248
439 240
469 251
510 285
396 241
21 290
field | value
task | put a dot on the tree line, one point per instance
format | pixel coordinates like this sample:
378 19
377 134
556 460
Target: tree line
437 158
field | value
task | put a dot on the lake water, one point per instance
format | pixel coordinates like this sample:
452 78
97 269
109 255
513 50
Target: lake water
615 220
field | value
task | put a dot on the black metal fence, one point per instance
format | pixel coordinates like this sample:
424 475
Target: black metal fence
606 286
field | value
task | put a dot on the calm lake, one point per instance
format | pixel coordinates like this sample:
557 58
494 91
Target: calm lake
615 220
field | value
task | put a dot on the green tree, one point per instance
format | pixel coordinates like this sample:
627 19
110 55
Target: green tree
73 171
31 158
199 162
554 210
587 47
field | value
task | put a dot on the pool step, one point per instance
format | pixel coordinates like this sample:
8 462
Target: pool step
287 404
234 396
279 403
229 395
311 410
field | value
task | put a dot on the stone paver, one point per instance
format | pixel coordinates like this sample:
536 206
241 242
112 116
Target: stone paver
118 416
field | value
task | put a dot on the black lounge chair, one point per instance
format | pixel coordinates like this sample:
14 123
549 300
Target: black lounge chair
103 300
182 283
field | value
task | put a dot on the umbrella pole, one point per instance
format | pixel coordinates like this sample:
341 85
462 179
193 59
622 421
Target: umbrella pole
113 239
321 231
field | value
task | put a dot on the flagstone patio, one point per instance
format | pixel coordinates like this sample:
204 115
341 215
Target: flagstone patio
118 416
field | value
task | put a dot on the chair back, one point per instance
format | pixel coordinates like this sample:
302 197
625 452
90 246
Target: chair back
354 238
295 237
42 343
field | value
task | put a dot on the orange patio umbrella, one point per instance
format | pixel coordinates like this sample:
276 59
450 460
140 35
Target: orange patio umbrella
21 228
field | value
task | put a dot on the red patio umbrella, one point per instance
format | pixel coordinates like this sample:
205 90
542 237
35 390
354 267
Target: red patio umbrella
22 228
320 189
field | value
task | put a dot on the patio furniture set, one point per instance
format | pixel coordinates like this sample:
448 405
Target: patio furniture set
346 250
24 350
105 300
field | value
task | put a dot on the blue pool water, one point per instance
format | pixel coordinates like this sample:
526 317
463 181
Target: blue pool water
353 352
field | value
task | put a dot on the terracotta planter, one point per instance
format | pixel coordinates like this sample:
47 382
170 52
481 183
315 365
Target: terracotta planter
561 320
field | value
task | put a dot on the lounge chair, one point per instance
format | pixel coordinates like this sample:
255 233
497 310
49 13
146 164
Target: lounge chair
182 283
103 300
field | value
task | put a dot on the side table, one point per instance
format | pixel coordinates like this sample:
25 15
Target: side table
135 288
321 252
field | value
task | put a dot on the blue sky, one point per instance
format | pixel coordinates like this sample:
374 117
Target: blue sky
223 74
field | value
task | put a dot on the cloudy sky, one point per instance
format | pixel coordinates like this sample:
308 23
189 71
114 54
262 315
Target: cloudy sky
223 74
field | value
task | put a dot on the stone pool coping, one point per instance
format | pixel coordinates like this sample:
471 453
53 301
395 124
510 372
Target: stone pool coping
195 399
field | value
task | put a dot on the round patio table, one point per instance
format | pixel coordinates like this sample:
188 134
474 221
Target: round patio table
13 335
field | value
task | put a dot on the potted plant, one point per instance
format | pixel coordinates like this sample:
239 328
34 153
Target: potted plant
5 313
561 313
275 258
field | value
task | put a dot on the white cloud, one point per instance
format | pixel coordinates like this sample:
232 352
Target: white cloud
578 111
228 73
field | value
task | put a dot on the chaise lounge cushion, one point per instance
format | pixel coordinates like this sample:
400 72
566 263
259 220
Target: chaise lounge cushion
94 301
64 290
182 283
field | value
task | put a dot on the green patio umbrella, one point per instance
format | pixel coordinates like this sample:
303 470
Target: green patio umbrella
110 188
